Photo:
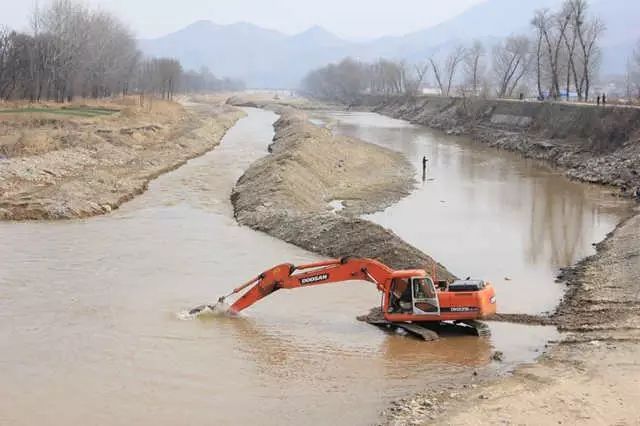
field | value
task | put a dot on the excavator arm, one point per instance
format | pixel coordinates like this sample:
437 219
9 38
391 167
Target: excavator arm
413 287
289 276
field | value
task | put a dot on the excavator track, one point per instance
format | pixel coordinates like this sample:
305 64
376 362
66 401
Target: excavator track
428 331
415 330
479 329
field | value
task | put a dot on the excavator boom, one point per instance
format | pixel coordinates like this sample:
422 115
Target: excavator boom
288 276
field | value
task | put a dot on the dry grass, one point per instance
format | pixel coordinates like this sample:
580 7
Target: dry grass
34 129
61 166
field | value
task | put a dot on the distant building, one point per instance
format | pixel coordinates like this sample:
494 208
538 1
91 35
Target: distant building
430 91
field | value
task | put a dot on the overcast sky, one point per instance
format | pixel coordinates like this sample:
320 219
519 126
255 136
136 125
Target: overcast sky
355 19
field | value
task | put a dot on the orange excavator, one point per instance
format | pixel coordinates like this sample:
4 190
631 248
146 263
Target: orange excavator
411 300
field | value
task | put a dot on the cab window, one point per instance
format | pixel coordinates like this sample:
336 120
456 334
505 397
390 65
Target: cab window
423 289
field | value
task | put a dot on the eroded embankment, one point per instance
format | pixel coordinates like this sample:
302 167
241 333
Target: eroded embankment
591 143
288 193
599 314
72 167
603 300
574 382
600 319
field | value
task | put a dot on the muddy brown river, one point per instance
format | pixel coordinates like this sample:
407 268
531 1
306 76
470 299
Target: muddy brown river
487 213
92 324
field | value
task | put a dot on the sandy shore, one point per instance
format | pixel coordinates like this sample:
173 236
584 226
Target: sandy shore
63 167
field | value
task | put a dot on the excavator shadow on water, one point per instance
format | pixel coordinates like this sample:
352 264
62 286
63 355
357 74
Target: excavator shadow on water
411 301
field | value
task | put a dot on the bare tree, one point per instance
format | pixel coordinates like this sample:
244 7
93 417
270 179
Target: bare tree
388 77
570 42
5 62
511 61
539 54
445 76
414 83
473 65
589 31
551 29
348 79
635 68
75 51
567 42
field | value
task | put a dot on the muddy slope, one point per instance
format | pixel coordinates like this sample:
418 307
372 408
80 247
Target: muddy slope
84 167
290 193
593 144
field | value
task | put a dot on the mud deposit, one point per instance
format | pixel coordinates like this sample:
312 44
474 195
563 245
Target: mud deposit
291 194
89 327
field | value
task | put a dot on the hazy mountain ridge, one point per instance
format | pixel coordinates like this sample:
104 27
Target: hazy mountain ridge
268 58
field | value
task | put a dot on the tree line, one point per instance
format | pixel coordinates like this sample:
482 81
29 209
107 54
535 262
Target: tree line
559 58
74 51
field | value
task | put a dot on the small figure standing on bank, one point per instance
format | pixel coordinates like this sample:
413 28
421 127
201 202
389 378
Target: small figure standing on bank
598 101
604 99
424 168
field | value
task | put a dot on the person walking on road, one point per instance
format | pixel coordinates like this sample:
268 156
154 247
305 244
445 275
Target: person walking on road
598 101
604 99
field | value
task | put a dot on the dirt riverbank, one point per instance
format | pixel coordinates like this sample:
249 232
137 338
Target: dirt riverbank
277 102
592 375
313 186
71 163
593 144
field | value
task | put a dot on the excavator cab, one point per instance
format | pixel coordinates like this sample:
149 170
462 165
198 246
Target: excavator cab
413 295
425 297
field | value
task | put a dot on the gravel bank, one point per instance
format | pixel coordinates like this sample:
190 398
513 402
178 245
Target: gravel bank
314 185
79 167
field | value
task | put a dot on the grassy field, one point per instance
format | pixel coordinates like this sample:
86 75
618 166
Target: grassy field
79 111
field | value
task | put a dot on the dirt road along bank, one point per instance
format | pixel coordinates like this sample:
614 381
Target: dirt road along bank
591 143
313 186
70 163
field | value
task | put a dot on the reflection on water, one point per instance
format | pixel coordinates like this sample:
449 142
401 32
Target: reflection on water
89 331
490 214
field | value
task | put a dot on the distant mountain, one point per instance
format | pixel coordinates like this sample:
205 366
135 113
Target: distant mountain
270 59
261 57
490 19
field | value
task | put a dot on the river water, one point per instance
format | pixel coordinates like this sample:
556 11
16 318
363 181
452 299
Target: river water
489 214
91 329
